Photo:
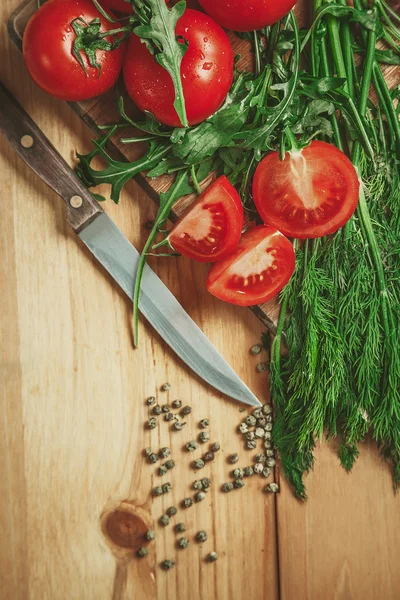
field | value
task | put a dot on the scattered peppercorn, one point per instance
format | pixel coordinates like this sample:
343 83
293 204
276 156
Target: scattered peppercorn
168 417
212 557
165 387
153 458
261 367
198 463
266 472
237 473
204 437
187 502
164 452
183 543
250 420
204 423
238 483
250 435
271 462
158 491
191 446
142 552
148 451
251 444
262 422
177 404
206 482
162 470
259 432
257 412
167 565
272 488
166 408
156 410
233 458
186 410
201 536
260 458
179 425
267 435
267 409
215 447
166 488
270 453
151 400
150 535
199 496
248 471
152 423
256 349
198 484
227 487
268 418
180 528
170 464
171 511
243 428
267 444
209 456
164 520
258 468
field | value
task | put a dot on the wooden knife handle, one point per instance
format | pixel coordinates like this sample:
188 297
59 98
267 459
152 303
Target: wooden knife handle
40 155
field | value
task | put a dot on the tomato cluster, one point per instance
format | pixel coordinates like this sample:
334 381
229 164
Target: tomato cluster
310 193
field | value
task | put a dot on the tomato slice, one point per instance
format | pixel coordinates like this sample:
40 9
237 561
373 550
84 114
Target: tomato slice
309 193
256 271
211 227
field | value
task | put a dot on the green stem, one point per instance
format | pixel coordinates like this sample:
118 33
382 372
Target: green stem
257 53
348 53
194 179
162 216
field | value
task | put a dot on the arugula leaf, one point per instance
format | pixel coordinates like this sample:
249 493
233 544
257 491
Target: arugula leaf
159 30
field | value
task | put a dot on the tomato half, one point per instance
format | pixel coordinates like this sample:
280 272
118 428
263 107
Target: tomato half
206 72
48 44
309 194
256 271
211 227
247 15
118 5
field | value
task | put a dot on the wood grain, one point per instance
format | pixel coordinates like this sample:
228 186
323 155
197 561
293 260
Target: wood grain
71 428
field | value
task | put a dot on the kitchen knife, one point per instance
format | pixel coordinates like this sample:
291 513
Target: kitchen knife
116 253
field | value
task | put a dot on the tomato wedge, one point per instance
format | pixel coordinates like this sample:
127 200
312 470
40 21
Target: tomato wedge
256 271
309 194
211 227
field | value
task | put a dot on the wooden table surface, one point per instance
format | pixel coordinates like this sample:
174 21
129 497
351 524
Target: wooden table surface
72 395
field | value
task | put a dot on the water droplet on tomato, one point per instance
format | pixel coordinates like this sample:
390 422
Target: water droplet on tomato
206 39
207 66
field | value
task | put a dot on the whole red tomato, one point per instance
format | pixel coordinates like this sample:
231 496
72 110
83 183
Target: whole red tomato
247 15
119 5
48 52
206 72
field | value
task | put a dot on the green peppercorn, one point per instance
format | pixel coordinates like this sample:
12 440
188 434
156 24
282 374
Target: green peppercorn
180 528
267 409
204 423
152 458
151 400
166 408
243 428
248 471
260 458
259 432
167 565
166 488
191 446
268 427
183 543
156 410
250 420
171 511
215 447
201 536
251 444
266 472
142 552
186 410
250 435
268 418
262 422
204 437
179 425
227 487
237 473
165 387
206 482
199 496
198 484
212 557
162 470
177 404
267 444
147 452
158 491
258 468
164 520
271 462
233 458
170 464
256 349
152 423
187 502
150 535
257 413
164 452
198 463
261 367
168 417
238 483
209 456
272 488
270 453
267 435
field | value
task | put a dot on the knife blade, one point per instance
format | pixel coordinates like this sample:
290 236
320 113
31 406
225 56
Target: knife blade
117 255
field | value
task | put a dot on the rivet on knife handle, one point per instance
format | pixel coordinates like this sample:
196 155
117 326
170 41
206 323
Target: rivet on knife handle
41 156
